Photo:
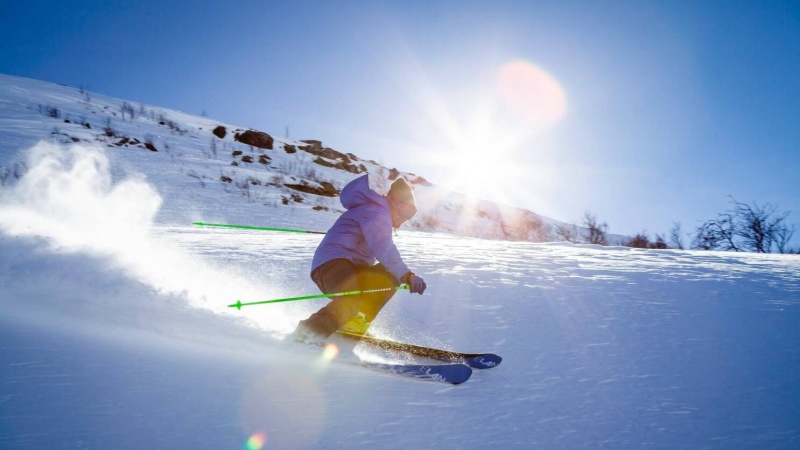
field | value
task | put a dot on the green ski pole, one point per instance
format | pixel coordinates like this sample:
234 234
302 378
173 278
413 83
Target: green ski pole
238 305
250 227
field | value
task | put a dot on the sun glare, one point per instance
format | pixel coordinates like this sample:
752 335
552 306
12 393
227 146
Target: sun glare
481 166
488 140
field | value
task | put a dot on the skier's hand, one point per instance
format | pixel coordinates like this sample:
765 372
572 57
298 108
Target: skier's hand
416 284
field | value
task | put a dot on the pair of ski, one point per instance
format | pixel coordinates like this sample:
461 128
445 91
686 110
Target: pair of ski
451 367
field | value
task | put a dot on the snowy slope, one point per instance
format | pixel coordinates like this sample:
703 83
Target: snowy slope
221 179
115 331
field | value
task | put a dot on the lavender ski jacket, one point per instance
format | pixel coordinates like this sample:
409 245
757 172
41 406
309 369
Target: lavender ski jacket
363 233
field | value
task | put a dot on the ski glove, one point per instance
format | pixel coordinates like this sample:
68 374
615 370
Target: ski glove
415 283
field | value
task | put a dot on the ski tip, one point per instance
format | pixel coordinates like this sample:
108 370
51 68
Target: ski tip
458 374
447 373
484 361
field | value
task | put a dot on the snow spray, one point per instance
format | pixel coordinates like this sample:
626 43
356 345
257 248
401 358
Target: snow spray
69 198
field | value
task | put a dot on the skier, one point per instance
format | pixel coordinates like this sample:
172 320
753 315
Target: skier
358 254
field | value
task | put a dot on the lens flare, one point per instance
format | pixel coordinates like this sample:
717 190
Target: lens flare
256 441
532 93
331 352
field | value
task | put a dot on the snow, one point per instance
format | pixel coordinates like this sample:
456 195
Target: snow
115 333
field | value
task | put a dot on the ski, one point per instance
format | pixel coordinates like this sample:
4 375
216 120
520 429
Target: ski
473 360
447 373
454 373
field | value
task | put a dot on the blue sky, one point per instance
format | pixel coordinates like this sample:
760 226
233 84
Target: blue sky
657 110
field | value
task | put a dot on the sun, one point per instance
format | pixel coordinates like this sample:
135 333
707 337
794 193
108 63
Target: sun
484 145
481 163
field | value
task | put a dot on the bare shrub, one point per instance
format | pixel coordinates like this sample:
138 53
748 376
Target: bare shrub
108 129
5 173
640 240
50 111
596 233
744 227
676 236
567 233
126 108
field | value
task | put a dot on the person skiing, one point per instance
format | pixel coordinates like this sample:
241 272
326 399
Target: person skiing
358 254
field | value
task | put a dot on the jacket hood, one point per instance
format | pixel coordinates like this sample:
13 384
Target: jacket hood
357 192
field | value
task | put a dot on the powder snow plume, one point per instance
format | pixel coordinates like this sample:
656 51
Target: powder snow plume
69 198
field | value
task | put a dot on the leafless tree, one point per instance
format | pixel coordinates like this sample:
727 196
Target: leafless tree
660 243
50 111
642 240
755 228
782 238
716 234
109 128
639 241
676 236
567 233
761 226
595 232
126 108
